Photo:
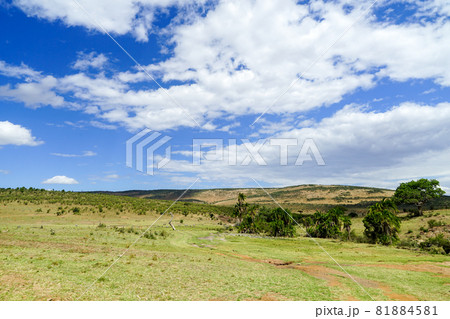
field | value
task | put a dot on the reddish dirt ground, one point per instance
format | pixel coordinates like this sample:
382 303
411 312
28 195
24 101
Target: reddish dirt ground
334 277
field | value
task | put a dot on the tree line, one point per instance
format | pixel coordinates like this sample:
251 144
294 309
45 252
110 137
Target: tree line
381 223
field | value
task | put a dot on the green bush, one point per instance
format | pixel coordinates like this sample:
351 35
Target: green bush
434 223
437 244
381 223
274 222
330 224
149 235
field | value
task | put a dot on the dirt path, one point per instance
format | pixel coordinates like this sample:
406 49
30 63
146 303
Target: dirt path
332 276
423 267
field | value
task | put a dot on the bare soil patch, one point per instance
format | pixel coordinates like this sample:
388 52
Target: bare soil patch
333 277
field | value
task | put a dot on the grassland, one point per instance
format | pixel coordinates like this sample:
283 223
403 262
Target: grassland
46 255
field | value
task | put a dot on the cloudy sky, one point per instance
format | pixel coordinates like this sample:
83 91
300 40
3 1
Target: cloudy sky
297 92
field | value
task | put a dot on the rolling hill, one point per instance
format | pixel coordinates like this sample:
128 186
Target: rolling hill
301 197
305 198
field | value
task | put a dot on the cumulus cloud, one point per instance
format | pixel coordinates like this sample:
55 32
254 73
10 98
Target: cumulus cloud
90 60
122 17
34 94
359 146
60 179
13 134
3 171
246 54
22 71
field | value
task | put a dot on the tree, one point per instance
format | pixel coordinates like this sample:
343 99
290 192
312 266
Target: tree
329 224
272 221
280 223
250 223
418 192
240 209
381 223
347 222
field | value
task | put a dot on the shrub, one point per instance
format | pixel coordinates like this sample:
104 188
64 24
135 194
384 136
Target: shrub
407 243
119 229
433 223
425 230
307 221
149 235
164 234
437 244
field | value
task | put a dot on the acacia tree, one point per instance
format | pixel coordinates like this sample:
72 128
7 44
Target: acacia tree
381 223
418 192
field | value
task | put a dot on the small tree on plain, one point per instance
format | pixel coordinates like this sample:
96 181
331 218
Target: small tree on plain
329 224
240 209
347 223
381 223
418 193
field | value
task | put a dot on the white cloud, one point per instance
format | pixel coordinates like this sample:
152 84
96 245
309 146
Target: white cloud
101 125
359 146
85 154
60 179
90 60
22 71
120 17
34 94
246 53
13 134
97 124
105 178
2 171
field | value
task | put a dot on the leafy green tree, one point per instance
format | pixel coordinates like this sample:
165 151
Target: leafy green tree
330 223
240 209
279 223
273 222
347 223
250 222
381 223
418 192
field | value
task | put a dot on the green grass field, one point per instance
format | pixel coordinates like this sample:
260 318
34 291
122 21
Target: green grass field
48 257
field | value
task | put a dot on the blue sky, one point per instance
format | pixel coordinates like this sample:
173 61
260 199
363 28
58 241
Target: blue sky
373 94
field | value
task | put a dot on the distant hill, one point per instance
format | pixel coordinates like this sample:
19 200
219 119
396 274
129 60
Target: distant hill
301 197
297 198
